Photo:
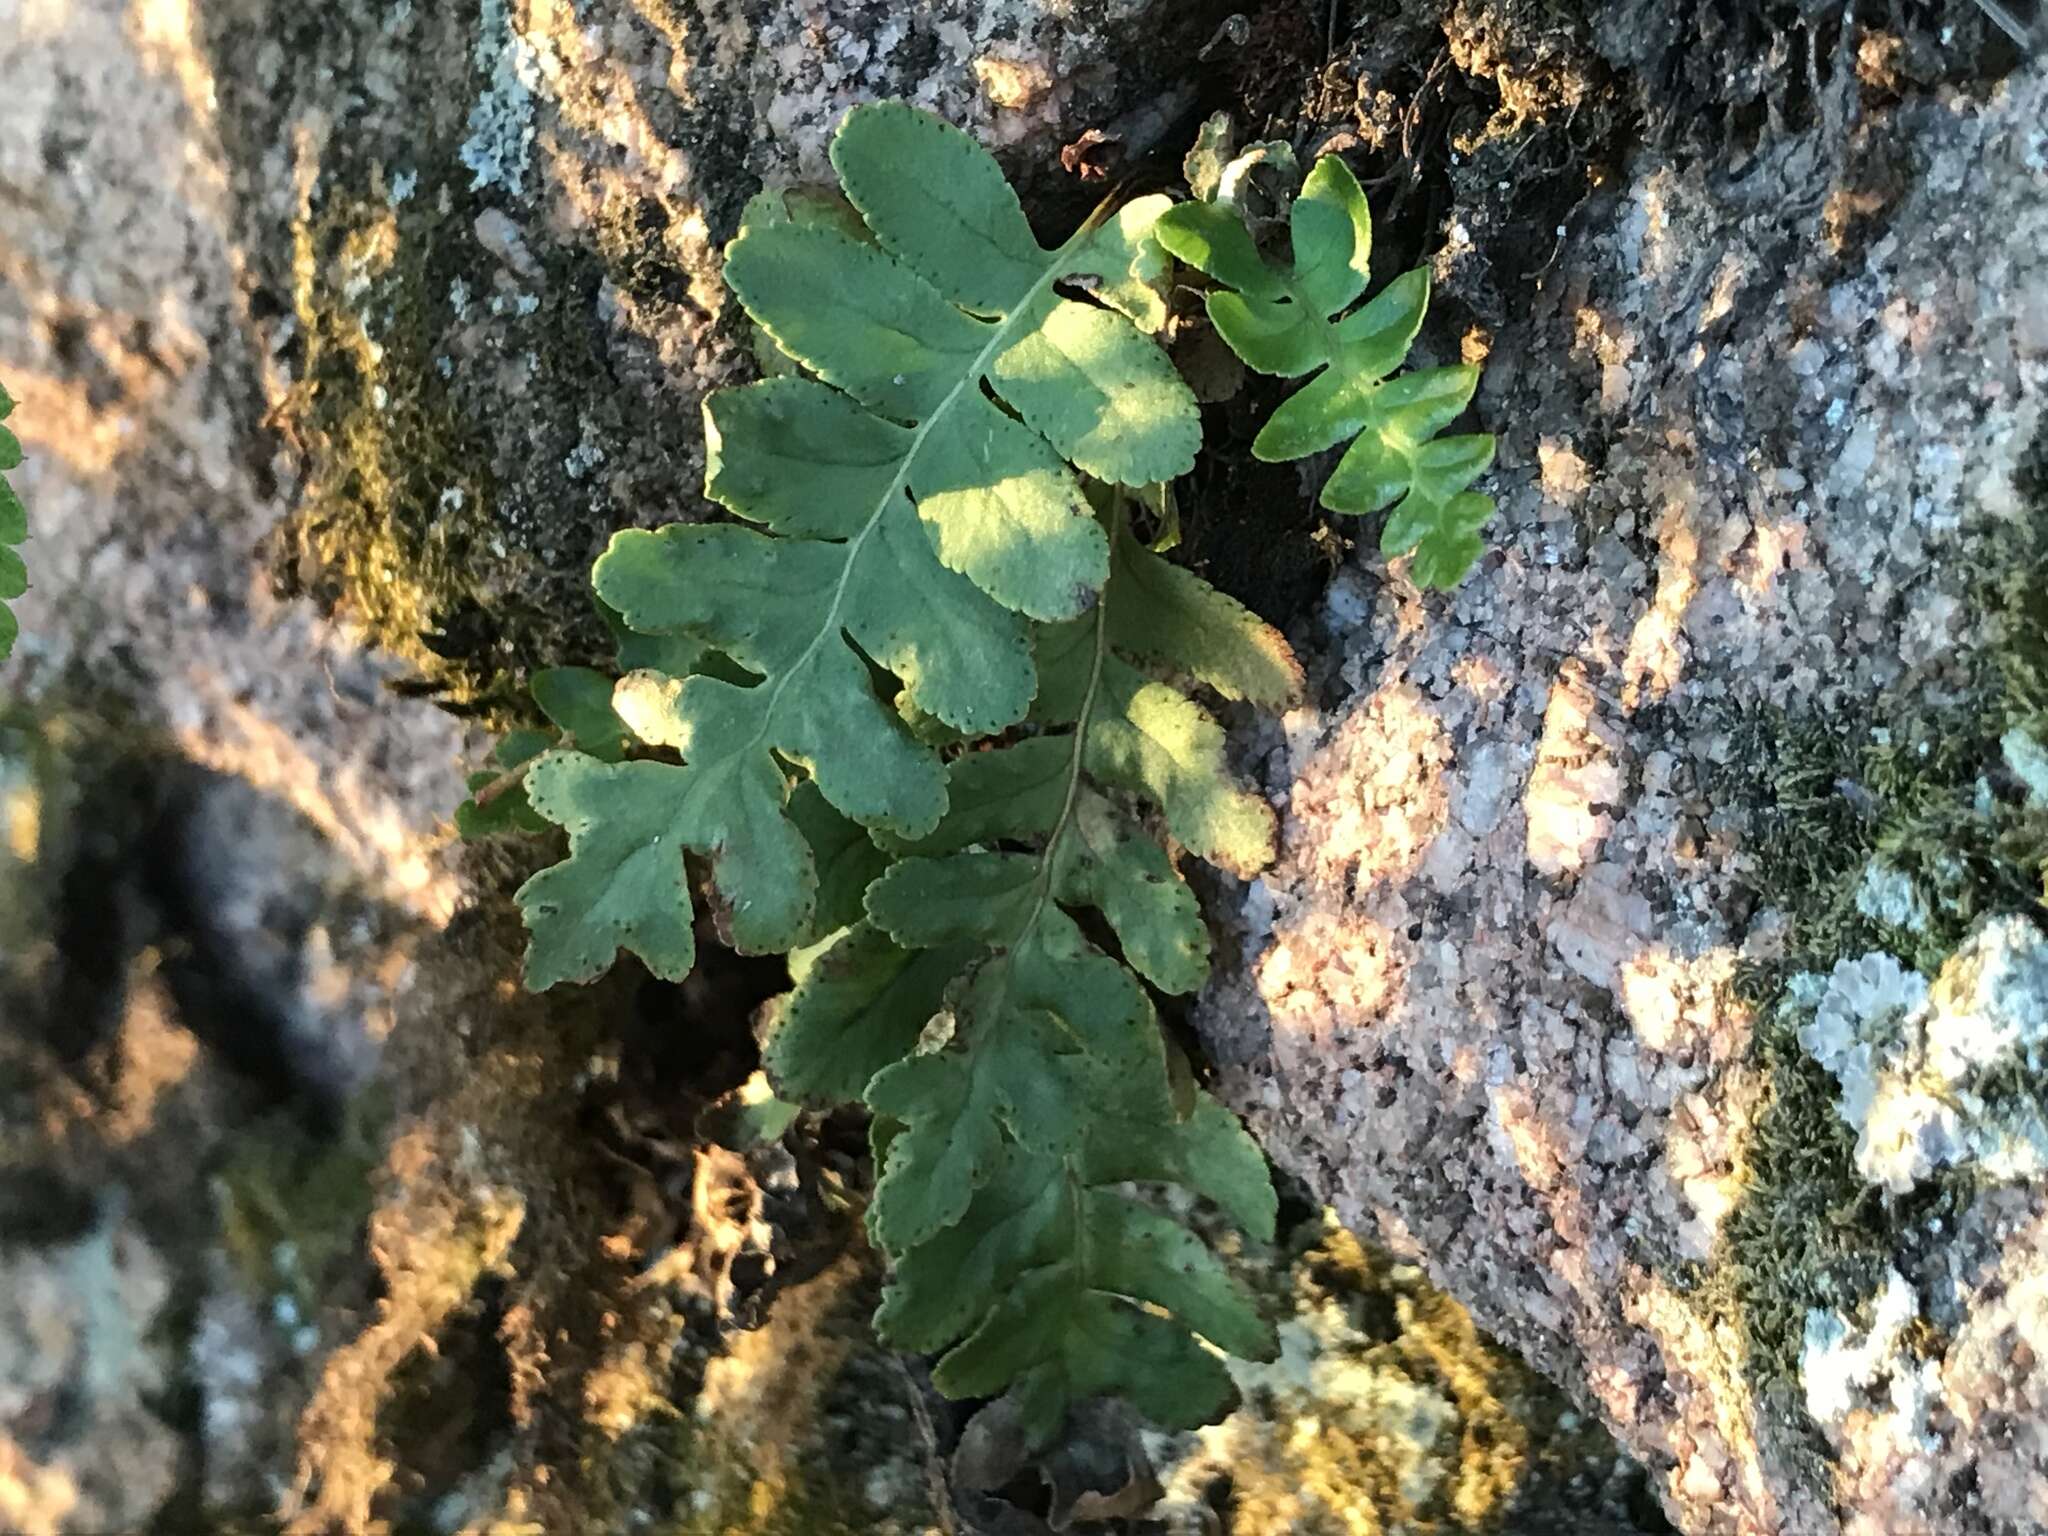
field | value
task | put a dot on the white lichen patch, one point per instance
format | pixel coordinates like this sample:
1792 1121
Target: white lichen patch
76 1326
1840 1364
582 459
500 142
1888 895
1947 1077
2028 759
1873 1397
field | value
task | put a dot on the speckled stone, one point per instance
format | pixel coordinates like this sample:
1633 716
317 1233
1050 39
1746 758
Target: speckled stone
1480 1004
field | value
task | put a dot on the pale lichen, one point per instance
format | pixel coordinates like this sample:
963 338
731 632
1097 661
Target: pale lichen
500 143
1841 1363
1944 1078
1386 1411
1889 896
2028 760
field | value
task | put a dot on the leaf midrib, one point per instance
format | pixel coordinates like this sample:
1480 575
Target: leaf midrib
1048 855
899 483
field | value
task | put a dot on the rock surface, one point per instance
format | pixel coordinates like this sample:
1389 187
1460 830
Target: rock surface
483 242
406 307
1768 443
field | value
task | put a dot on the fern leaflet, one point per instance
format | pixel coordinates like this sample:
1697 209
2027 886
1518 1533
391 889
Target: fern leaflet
1284 321
576 702
13 531
1066 1287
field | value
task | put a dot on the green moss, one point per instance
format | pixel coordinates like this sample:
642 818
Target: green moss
733 1494
454 502
399 496
1807 1233
293 1201
1921 784
2019 598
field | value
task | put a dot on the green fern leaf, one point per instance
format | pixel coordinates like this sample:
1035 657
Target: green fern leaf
577 703
1040 1065
846 859
1284 322
960 300
932 553
1017 1220
1052 1035
1041 1282
1169 615
903 519
1150 738
13 532
860 1005
623 885
676 655
1106 727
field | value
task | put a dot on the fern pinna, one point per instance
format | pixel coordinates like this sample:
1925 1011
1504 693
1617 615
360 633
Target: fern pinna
13 531
918 726
1284 321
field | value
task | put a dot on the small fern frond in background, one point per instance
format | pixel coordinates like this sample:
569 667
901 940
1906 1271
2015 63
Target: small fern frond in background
1284 321
13 532
1013 1062
903 519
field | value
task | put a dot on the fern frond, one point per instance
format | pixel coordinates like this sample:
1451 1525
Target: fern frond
1012 1056
1057 1284
1284 321
13 532
903 519
934 552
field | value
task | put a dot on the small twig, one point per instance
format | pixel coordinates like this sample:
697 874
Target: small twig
502 785
512 778
2010 24
940 1489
